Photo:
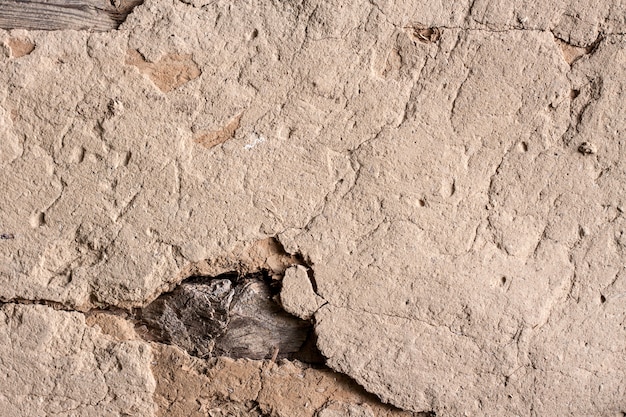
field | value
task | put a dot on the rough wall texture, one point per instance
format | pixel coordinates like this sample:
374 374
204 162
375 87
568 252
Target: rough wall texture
449 177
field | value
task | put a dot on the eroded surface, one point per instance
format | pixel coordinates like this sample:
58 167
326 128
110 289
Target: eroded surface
452 175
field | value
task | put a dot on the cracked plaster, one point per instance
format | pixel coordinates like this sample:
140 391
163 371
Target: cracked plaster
469 257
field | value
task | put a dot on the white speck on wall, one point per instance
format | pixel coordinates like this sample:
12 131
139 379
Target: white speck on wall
255 140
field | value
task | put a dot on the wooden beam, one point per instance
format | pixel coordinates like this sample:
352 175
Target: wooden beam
95 15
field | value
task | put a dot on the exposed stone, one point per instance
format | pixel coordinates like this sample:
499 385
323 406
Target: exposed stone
64 14
259 328
229 315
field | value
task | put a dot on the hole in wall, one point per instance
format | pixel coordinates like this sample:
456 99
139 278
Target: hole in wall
232 315
587 148
37 219
253 35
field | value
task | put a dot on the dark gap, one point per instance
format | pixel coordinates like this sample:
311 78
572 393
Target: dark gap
309 353
586 148
602 299
311 276
591 49
232 315
120 13
52 304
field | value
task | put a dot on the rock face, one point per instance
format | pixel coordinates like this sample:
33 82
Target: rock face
453 175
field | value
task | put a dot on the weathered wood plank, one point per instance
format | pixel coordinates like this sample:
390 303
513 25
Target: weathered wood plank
226 315
95 15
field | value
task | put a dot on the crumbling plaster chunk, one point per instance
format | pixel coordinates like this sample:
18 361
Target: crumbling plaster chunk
297 295
52 364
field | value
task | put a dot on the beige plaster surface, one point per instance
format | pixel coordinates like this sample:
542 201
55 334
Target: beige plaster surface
440 185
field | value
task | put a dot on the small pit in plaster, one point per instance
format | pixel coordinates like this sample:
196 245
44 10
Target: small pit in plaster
524 146
37 219
58 15
424 34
